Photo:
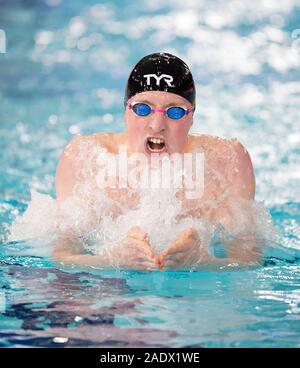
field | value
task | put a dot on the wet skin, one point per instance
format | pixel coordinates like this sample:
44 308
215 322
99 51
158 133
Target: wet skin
186 252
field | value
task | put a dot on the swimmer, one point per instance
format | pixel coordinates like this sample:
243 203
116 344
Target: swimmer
159 108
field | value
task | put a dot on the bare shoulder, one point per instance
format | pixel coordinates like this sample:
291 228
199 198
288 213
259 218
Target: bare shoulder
66 170
76 154
233 160
110 141
242 174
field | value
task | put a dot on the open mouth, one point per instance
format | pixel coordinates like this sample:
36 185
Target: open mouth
156 144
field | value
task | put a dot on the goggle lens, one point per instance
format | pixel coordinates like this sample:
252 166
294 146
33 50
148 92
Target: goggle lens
174 112
141 109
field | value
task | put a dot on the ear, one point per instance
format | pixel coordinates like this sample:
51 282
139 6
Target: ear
126 118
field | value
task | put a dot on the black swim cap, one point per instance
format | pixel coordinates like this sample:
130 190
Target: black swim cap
161 72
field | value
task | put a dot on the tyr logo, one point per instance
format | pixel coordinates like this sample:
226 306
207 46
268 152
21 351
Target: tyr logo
167 78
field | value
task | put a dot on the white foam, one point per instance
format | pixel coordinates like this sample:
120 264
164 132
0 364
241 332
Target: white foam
101 221
47 219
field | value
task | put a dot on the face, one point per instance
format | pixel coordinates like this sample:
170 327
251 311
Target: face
141 130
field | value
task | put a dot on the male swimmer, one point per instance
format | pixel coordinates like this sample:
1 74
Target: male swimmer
159 109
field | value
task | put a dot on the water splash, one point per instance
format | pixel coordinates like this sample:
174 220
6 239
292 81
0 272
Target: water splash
101 220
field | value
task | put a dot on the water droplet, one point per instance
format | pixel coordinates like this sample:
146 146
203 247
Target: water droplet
60 340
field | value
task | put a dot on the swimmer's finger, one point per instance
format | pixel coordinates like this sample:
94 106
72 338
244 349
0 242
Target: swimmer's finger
144 264
170 265
141 246
177 248
150 266
183 250
175 264
130 250
140 257
180 260
137 232
189 233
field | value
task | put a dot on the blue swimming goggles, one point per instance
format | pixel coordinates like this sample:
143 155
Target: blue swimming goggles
173 112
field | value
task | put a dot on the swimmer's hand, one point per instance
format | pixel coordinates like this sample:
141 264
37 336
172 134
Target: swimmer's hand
135 252
184 253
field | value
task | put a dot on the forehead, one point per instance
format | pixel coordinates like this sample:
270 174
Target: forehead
160 98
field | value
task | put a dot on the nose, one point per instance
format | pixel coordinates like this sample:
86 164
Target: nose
157 122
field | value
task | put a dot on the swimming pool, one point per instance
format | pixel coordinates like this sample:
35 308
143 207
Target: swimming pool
66 74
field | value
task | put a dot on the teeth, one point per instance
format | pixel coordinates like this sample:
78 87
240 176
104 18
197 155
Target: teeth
156 140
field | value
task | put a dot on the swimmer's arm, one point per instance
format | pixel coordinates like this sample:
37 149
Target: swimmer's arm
228 263
67 169
242 178
71 168
244 249
70 252
84 260
188 253
68 249
134 252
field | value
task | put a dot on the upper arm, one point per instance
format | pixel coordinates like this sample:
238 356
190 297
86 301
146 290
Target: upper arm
67 169
235 212
242 177
77 162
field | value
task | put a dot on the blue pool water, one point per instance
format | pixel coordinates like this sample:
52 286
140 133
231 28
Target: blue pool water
64 73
